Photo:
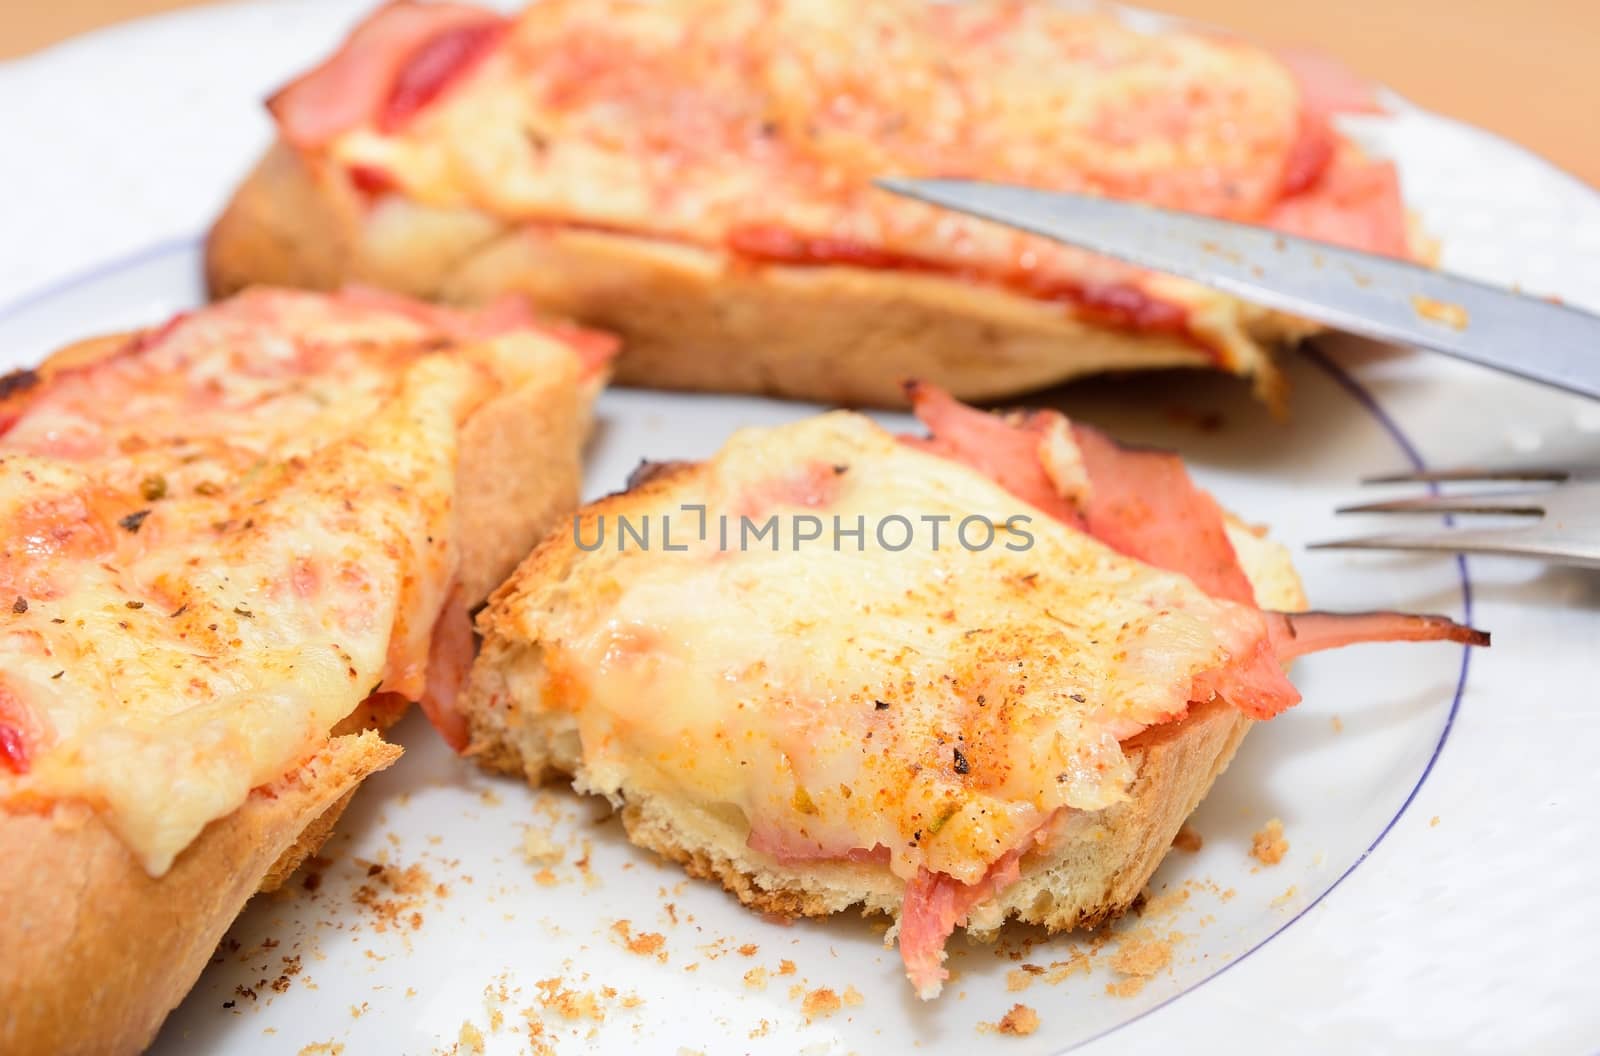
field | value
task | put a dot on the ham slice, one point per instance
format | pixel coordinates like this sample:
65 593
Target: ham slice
1145 505
1354 202
791 848
1327 86
1298 633
432 66
395 62
934 905
1331 191
14 752
1006 452
450 653
23 732
1139 503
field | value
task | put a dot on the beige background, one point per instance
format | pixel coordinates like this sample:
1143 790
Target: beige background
1527 69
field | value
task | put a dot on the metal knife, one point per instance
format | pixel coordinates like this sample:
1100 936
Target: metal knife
1369 295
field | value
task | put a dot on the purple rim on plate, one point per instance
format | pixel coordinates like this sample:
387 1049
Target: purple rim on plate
1369 403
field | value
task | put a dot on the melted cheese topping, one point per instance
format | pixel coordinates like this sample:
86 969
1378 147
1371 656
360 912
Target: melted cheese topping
941 703
220 540
761 126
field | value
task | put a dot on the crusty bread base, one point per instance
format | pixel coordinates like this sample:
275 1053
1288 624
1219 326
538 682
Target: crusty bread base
1092 873
700 320
98 951
104 951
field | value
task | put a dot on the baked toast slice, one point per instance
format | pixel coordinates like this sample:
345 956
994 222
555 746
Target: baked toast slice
196 516
680 173
787 681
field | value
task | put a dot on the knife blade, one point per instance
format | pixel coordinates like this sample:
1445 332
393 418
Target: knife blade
1365 294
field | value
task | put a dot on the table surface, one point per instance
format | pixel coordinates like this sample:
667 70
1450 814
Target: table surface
1522 68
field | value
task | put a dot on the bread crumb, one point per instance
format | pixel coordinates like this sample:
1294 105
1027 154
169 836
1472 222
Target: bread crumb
749 949
763 1030
1268 846
1433 821
646 943
470 1038
412 885
568 1003
1187 840
851 996
323 1048
1142 953
1126 987
820 1002
785 967
538 848
1338 724
535 1027
1062 970
1163 905
1019 1022
590 880
756 978
1018 979
1443 312
1283 899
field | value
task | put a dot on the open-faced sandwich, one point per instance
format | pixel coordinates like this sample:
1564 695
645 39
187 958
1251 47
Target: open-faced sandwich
957 679
695 175
230 546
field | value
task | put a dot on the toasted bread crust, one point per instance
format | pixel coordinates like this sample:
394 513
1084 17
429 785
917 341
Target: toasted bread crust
111 950
1090 875
695 319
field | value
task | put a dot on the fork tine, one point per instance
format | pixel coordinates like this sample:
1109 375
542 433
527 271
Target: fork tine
1525 541
1531 474
1529 503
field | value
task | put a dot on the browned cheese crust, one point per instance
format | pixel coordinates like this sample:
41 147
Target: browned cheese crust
695 319
97 952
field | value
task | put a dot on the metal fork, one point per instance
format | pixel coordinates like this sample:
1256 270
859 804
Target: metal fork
1565 528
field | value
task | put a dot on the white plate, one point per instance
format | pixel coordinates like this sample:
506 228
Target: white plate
1437 891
